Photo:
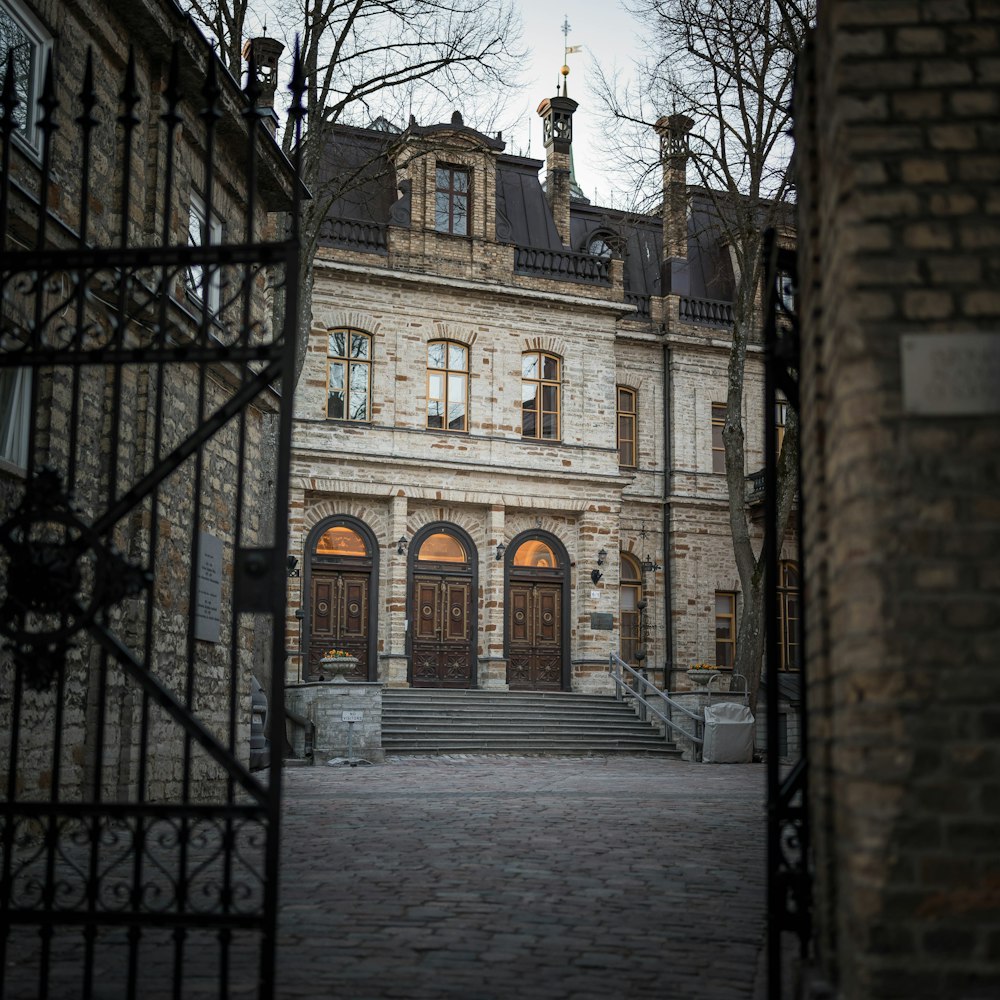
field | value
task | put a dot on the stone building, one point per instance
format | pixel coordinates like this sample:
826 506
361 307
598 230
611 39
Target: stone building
506 446
104 445
900 252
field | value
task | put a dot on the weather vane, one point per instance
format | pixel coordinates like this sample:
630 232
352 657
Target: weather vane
568 50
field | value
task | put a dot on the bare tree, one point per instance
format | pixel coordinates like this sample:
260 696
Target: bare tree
370 58
728 65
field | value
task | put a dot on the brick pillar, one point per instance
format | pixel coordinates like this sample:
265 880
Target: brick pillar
673 131
492 663
557 117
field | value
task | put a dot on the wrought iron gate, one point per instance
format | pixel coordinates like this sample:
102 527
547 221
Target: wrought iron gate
143 529
788 851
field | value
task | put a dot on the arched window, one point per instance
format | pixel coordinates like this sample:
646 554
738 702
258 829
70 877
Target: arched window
626 427
447 386
442 547
599 247
348 375
536 554
629 597
341 541
540 402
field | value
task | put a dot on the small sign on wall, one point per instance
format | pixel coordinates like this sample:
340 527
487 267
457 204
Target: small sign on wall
352 716
208 594
950 374
602 621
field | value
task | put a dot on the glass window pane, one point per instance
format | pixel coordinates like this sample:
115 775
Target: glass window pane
441 212
435 413
460 218
456 416
529 396
722 628
626 401
456 388
335 405
717 442
442 547
550 426
535 552
629 568
550 368
336 370
443 177
359 346
461 180
550 398
456 357
528 423
529 366
435 355
723 604
359 405
359 377
341 541
336 344
435 386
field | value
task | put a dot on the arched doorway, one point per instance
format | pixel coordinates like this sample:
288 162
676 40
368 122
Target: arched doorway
441 608
630 607
537 613
342 584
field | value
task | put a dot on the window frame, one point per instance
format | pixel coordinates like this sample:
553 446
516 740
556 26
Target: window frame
540 383
453 195
629 638
718 453
446 373
780 422
789 646
729 642
15 418
627 415
348 361
194 283
30 138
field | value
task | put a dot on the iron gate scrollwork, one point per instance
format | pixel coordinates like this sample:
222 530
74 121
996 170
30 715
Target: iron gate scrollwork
788 848
143 529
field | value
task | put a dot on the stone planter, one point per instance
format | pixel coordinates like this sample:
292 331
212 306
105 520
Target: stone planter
336 668
700 678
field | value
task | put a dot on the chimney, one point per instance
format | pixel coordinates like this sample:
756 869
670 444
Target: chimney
557 118
673 132
262 54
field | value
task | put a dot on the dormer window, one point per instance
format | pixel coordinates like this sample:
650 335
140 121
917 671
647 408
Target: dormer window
451 201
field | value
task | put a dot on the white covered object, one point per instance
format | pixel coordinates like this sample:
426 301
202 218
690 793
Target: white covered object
729 731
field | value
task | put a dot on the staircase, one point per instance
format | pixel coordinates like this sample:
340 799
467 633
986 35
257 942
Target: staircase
435 721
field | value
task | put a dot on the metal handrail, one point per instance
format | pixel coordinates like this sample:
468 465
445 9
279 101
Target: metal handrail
616 664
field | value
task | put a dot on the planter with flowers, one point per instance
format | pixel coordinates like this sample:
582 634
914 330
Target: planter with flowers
336 665
699 674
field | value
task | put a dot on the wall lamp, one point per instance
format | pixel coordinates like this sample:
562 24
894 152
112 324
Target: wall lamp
401 545
596 574
501 548
648 566
292 566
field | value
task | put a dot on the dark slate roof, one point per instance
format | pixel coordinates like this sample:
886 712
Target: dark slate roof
521 201
357 156
639 236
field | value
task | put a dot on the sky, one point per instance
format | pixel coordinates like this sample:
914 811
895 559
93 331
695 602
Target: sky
608 35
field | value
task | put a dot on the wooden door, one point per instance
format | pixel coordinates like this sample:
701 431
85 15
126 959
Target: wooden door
534 636
442 631
339 617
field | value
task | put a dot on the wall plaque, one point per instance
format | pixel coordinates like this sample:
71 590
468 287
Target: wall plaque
950 374
208 595
602 621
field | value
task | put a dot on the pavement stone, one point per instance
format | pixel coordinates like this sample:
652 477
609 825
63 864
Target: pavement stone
556 878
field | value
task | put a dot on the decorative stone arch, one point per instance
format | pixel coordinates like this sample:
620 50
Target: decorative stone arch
537 650
452 331
375 519
345 319
442 606
467 523
364 575
549 344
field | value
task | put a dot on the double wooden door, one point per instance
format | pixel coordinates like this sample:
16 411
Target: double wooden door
339 617
534 636
442 631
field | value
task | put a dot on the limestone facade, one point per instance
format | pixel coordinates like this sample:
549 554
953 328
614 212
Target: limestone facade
521 281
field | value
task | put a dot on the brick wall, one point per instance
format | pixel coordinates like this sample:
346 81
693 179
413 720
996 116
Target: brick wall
899 236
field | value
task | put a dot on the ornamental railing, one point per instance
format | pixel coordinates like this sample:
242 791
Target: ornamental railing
709 312
350 234
562 265
641 302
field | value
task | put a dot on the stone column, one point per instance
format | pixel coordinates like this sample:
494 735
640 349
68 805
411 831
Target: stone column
492 672
393 661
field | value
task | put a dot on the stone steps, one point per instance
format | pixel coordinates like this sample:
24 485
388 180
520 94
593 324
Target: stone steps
427 721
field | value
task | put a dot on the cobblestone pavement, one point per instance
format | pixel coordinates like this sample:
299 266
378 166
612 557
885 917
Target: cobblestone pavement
503 877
